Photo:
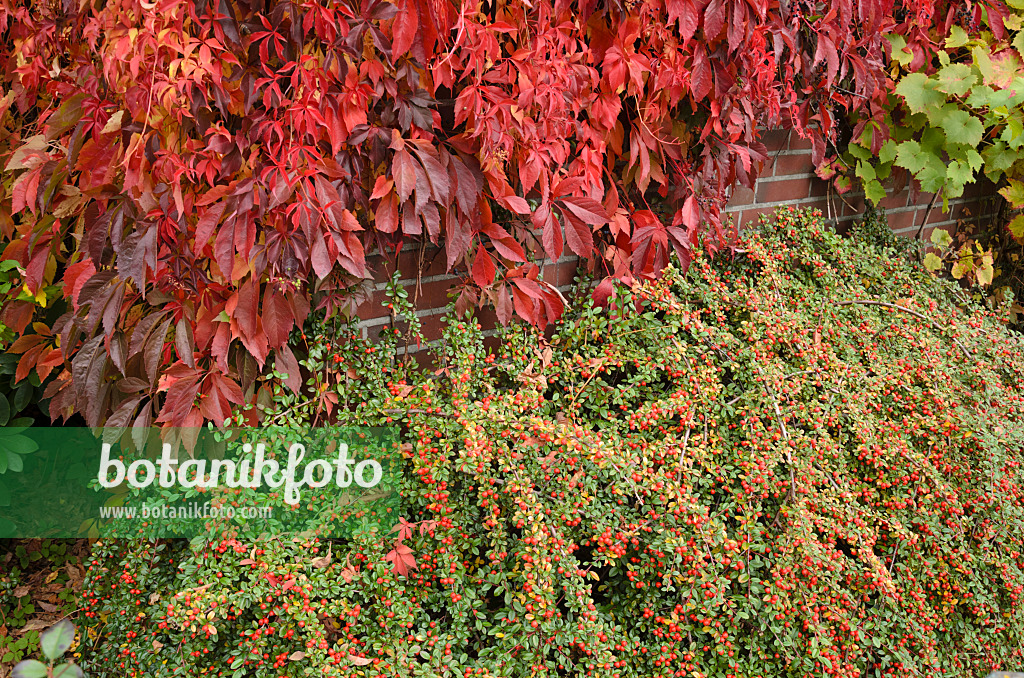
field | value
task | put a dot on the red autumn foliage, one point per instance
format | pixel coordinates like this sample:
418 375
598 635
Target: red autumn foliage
199 175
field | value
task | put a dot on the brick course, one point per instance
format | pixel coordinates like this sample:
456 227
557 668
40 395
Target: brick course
787 179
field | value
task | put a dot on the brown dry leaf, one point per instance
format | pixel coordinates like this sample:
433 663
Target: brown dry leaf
298 655
349 573
323 561
21 591
76 575
37 624
47 607
904 303
359 661
157 645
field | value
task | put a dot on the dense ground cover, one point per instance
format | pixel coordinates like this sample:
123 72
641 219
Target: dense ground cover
804 460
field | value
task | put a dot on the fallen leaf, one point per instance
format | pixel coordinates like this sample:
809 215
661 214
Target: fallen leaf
359 661
323 561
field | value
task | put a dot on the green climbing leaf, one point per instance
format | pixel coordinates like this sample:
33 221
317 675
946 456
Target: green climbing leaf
957 38
911 156
998 159
898 47
956 79
919 92
874 191
887 153
962 128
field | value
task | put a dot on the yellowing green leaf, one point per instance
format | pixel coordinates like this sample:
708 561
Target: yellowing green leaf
957 37
1014 193
941 238
985 272
932 262
1016 227
874 191
919 92
956 79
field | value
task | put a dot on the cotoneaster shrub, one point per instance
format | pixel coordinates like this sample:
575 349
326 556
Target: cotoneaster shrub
801 461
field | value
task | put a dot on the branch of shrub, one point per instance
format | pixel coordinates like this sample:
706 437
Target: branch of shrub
896 307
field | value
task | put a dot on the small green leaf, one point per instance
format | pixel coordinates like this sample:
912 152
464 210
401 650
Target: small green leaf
887 153
1018 43
910 155
56 640
5 410
958 175
15 464
30 668
997 159
865 171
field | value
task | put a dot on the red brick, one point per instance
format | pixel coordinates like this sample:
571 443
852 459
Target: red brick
775 139
749 217
783 165
741 195
851 206
893 201
560 274
798 144
787 189
900 220
937 214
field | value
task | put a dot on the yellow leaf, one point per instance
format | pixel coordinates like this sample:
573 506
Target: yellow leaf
1016 227
932 262
114 123
985 273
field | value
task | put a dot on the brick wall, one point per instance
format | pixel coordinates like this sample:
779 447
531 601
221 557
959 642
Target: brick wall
788 179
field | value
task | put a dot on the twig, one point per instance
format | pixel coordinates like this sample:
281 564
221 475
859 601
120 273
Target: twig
896 307
927 213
